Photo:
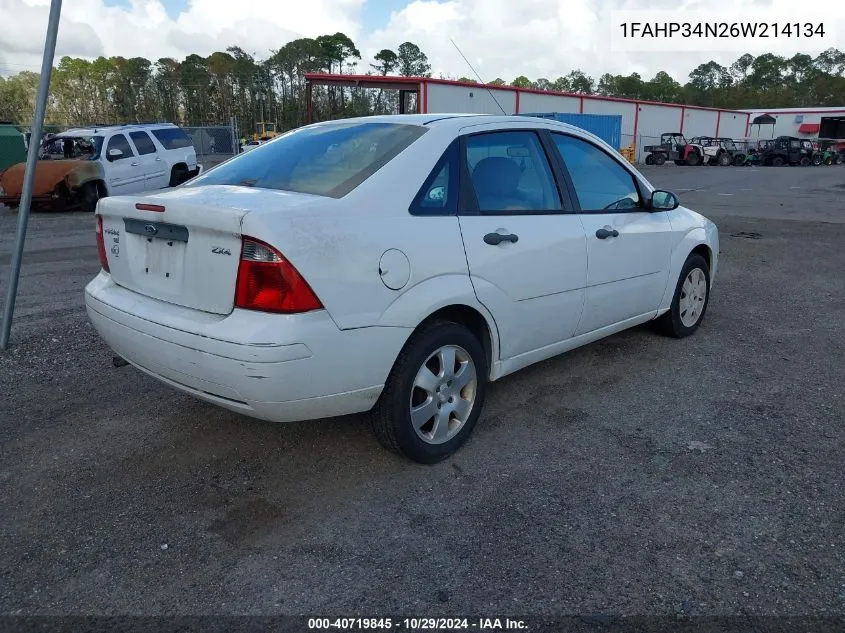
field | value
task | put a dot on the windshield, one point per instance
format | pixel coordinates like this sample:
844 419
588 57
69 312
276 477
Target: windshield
325 160
71 147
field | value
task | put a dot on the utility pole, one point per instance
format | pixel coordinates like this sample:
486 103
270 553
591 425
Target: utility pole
31 160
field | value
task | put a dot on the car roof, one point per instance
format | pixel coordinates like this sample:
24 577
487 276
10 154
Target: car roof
455 120
99 129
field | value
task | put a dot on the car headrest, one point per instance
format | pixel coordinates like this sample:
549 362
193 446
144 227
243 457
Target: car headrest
496 175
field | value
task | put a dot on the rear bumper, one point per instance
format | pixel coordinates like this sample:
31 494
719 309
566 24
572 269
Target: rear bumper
279 368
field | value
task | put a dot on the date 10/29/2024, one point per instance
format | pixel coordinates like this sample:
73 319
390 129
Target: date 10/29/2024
418 624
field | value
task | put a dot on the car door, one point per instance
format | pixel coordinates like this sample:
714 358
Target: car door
124 173
628 246
526 251
155 169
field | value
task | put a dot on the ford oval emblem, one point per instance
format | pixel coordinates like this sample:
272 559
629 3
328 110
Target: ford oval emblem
151 229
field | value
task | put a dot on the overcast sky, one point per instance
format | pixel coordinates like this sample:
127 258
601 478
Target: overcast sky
502 38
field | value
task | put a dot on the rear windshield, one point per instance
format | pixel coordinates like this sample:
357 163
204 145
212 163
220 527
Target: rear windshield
325 160
172 138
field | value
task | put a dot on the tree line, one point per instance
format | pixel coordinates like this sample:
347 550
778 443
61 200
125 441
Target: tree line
209 90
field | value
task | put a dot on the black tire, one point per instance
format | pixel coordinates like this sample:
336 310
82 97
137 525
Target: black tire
724 159
693 159
777 161
670 322
680 163
817 160
805 161
739 160
391 416
89 194
659 159
178 175
649 159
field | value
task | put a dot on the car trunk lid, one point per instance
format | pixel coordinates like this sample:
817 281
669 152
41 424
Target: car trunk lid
182 246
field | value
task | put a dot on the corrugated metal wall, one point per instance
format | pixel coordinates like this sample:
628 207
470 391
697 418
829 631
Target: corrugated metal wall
700 122
453 99
732 125
536 102
607 127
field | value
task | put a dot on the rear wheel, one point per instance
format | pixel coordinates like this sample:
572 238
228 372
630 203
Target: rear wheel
178 175
817 160
659 159
724 159
805 161
690 300
649 160
693 159
434 394
777 161
739 160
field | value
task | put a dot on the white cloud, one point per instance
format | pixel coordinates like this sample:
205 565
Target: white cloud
548 38
88 28
502 38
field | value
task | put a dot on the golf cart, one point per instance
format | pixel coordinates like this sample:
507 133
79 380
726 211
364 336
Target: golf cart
718 151
788 150
674 146
827 153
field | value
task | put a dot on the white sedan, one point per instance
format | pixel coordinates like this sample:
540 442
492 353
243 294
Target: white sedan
396 263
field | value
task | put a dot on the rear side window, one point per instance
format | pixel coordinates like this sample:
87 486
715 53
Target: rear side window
326 160
143 143
509 172
172 138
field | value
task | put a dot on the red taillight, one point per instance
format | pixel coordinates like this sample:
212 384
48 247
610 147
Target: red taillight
101 244
269 283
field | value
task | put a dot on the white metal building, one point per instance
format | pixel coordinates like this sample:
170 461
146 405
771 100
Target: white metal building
642 121
801 122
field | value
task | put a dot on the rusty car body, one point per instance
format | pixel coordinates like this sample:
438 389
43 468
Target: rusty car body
70 179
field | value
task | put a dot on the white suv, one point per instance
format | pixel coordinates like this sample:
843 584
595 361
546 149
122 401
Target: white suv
79 166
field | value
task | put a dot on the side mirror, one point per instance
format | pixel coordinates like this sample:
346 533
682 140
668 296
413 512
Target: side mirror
114 154
664 201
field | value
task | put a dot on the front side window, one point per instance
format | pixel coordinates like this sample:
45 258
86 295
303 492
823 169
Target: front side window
119 142
325 160
510 172
143 143
600 182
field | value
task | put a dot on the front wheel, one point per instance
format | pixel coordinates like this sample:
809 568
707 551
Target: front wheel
88 197
804 162
693 159
777 161
739 160
692 294
434 394
725 159
659 159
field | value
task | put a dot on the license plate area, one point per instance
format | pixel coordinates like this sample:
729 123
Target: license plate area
164 247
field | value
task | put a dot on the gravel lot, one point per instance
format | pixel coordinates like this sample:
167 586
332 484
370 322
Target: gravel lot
638 475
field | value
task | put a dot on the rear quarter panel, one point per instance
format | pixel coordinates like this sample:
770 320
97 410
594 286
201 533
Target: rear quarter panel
337 245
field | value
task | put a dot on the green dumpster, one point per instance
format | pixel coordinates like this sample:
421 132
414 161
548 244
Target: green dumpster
12 148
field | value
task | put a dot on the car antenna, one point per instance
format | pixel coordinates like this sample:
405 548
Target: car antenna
483 83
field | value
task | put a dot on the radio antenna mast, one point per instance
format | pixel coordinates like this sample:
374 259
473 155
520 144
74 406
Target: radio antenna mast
490 92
